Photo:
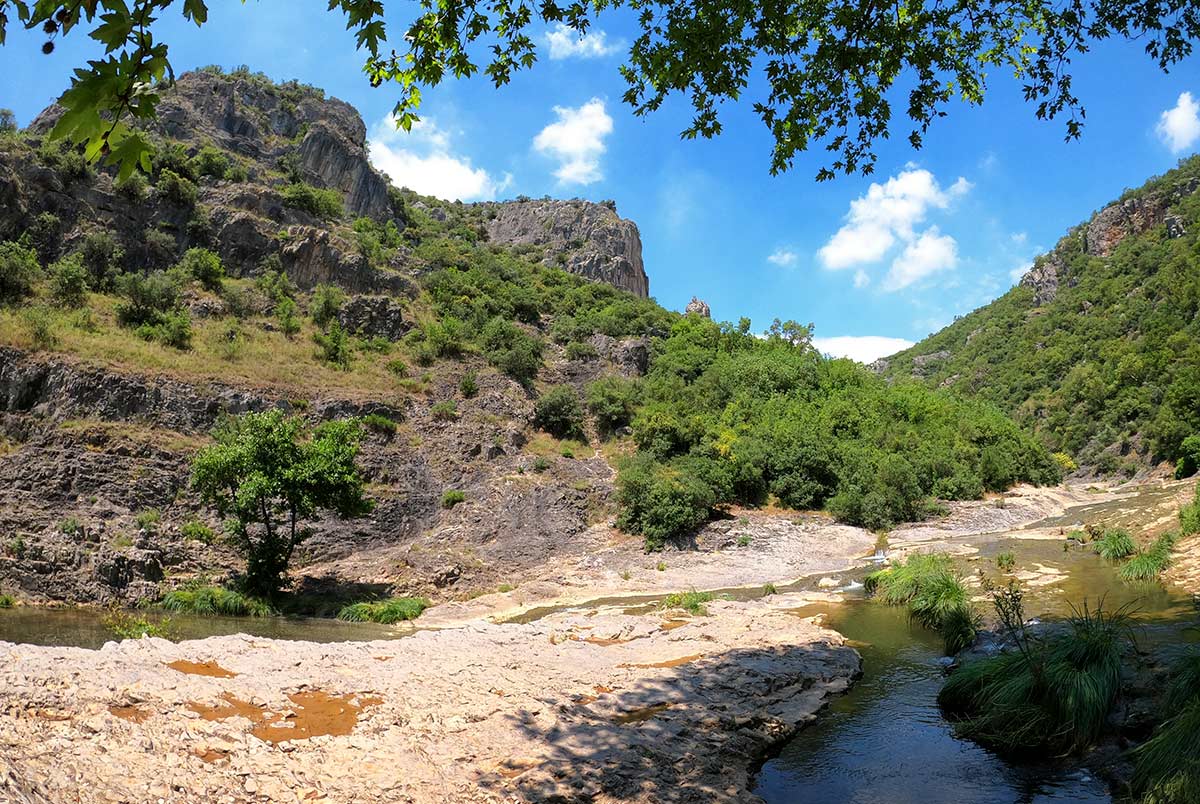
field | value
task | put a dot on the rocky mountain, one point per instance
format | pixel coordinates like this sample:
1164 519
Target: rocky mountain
1097 349
99 417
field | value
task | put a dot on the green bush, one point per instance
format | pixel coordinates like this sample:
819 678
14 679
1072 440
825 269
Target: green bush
1189 457
204 266
211 162
40 326
379 423
158 250
103 257
1189 517
173 156
147 299
398 368
1006 561
444 411
540 464
196 531
215 600
19 270
512 350
124 625
316 202
452 498
1167 766
692 602
273 281
334 345
70 526
660 502
612 400
559 412
394 610
44 233
468 386
176 189
325 304
7 601
581 350
285 316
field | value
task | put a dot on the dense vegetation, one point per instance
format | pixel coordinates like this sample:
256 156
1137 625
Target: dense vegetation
727 417
935 596
1109 371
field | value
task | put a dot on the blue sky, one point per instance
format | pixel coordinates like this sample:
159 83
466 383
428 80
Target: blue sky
933 234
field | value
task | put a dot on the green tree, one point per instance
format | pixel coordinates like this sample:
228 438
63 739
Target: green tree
19 269
559 413
267 474
825 74
203 266
69 282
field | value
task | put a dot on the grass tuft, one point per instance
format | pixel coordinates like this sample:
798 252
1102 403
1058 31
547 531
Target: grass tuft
214 600
936 598
692 602
393 610
1167 766
7 601
1148 564
1115 544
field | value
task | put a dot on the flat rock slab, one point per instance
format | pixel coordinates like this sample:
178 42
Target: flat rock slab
578 706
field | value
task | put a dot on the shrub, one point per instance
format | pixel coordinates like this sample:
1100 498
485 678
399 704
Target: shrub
199 228
334 345
19 270
511 349
397 367
1189 457
1167 766
452 498
445 411
158 250
40 325
176 189
147 298
581 350
134 187
196 531
660 502
559 413
1006 561
231 341
692 602
285 316
540 464
215 600
211 162
393 610
468 386
70 526
379 423
325 303
65 158
124 625
1189 517
103 257
204 266
319 203
172 329
45 236
173 157
273 281
7 601
1115 544
148 520
612 401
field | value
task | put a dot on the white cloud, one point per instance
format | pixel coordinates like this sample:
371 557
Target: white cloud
1019 238
783 257
421 160
565 43
888 215
863 348
861 278
576 140
924 256
1020 270
1179 127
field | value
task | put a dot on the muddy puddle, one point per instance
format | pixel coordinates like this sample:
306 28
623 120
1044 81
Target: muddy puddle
313 713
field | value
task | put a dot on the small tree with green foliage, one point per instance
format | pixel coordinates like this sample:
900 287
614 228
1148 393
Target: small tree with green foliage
204 266
612 401
325 303
104 258
69 282
559 413
1189 457
268 474
19 269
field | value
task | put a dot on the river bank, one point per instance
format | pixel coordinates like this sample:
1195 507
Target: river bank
596 706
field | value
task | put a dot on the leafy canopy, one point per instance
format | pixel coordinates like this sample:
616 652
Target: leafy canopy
268 474
820 73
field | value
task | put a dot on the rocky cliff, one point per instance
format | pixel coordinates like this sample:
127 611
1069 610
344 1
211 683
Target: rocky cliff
587 239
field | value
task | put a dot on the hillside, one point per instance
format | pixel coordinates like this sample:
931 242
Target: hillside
1097 350
504 358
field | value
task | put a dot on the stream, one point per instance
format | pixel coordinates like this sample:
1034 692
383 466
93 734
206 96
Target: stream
885 742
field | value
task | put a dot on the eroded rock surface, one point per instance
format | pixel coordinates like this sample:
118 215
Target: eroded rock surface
588 706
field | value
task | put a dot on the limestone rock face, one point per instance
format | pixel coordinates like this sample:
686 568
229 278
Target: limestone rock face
585 238
1043 277
698 307
1134 216
376 316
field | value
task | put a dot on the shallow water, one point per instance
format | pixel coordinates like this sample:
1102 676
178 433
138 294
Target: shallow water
885 742
83 628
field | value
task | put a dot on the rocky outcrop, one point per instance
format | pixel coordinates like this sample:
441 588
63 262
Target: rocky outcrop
1134 216
373 316
698 307
1043 278
582 237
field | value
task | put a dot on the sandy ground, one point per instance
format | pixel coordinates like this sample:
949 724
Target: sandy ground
655 708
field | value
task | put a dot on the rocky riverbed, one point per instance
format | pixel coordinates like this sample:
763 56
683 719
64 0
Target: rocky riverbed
597 706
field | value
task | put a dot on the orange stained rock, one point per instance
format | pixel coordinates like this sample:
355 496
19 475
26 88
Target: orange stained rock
211 669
